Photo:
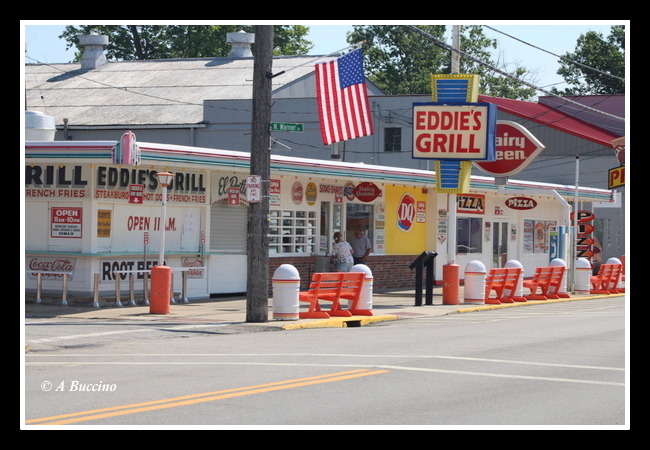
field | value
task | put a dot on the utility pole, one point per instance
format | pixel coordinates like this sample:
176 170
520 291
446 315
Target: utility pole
455 43
258 213
452 198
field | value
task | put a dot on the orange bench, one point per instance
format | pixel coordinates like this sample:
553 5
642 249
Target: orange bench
607 280
331 286
350 290
502 281
621 283
548 280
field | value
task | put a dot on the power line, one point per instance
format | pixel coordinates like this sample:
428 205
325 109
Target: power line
553 54
442 44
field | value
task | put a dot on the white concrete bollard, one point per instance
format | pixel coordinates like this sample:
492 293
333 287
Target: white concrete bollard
475 275
519 291
364 306
286 293
582 284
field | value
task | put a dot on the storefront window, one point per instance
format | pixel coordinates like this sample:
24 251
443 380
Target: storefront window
536 234
324 227
292 232
359 216
468 235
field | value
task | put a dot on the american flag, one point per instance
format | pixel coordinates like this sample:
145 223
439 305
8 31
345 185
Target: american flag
342 98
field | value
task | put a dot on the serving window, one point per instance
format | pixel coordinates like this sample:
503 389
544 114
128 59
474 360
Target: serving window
293 232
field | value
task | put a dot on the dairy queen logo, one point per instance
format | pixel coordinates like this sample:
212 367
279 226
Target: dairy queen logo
406 212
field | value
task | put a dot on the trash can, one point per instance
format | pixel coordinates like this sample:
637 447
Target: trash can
518 295
450 284
286 292
161 282
562 291
322 264
582 282
475 275
364 305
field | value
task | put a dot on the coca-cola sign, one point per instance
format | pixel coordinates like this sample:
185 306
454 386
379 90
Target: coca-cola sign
54 265
516 148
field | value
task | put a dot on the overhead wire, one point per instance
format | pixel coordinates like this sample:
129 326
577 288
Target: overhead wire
553 54
442 44
396 118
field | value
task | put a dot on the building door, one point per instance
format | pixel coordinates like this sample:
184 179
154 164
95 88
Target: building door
499 243
325 237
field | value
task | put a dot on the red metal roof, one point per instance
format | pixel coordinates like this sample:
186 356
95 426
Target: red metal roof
552 118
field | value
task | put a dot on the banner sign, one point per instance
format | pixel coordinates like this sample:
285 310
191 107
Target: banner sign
120 184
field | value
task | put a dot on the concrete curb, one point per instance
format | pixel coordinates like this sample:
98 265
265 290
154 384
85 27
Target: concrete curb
340 322
528 303
359 321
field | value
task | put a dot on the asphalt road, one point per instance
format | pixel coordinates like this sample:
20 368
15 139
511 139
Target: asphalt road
560 365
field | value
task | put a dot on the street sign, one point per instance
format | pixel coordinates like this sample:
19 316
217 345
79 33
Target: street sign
254 188
277 126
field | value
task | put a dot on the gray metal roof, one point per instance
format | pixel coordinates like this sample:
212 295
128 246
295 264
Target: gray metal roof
153 91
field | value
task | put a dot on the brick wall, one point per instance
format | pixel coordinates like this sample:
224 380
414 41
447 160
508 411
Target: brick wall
389 271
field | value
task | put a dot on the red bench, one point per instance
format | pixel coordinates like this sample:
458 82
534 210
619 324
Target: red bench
504 282
607 280
549 281
331 286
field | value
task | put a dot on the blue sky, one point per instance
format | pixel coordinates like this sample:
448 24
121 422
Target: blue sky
558 37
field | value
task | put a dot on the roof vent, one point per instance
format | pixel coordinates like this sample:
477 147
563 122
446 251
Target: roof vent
241 44
39 127
93 55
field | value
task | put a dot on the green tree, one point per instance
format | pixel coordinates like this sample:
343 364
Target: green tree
476 44
597 66
139 42
401 62
398 61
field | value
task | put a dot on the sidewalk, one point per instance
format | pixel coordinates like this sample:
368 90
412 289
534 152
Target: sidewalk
385 306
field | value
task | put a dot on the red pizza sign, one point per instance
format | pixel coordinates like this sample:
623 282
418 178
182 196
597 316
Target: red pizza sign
521 203
516 148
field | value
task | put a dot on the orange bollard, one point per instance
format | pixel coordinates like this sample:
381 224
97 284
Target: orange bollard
161 282
450 284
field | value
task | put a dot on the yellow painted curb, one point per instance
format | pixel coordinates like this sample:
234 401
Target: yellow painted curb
339 322
532 302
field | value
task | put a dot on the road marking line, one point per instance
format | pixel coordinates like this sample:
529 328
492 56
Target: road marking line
199 398
108 333
504 375
319 355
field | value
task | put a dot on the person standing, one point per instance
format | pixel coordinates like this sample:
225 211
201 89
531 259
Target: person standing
343 253
361 246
